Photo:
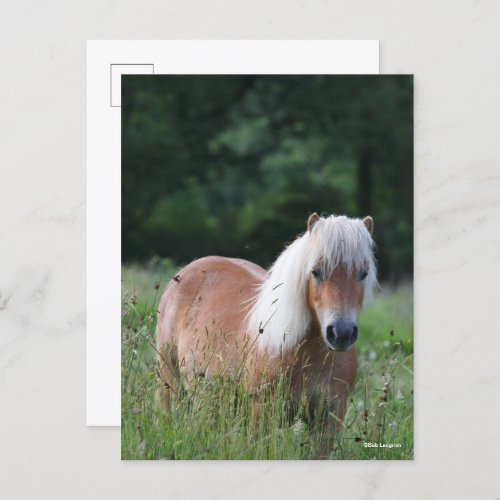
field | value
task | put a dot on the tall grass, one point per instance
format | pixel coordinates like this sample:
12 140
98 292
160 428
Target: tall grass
212 419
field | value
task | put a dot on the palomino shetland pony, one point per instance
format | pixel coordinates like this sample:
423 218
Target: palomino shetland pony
222 315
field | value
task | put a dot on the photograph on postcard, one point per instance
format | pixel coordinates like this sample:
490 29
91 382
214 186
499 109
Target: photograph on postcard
267 267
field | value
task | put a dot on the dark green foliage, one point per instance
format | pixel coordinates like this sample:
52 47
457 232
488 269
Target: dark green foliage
233 165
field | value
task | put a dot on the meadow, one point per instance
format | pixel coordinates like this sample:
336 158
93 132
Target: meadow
212 419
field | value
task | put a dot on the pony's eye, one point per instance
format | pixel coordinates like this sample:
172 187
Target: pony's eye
316 273
362 275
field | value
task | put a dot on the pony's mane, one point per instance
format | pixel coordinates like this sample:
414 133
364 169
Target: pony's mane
280 314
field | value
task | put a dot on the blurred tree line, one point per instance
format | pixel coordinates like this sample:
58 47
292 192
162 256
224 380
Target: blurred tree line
233 165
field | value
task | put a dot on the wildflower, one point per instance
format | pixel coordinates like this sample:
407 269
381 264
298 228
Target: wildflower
298 426
386 380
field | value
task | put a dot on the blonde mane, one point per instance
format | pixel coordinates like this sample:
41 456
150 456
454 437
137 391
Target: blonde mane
280 315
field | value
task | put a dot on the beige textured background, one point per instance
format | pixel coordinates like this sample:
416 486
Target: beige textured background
452 47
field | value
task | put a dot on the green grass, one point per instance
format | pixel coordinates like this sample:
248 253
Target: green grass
212 419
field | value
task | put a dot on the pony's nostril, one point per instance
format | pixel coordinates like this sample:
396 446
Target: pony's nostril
330 334
355 334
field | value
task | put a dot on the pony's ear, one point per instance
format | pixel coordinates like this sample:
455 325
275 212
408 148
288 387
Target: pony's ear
312 220
368 222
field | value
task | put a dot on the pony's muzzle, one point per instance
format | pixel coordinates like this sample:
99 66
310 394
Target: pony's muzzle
341 334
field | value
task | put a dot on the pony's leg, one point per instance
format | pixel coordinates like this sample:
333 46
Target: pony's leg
256 411
259 394
333 414
168 377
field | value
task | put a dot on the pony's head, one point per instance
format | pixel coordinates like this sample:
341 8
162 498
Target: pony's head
341 272
320 280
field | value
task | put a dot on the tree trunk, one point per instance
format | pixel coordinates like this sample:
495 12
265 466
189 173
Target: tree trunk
365 184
